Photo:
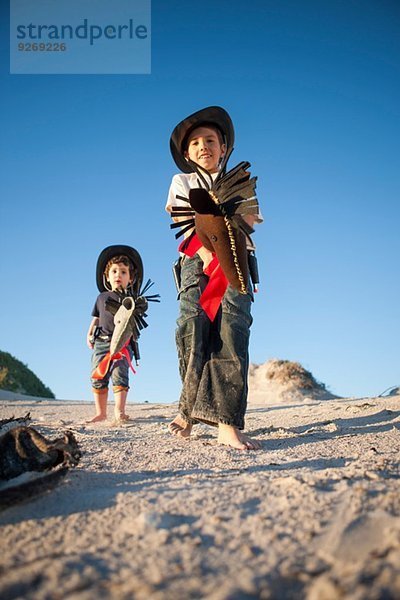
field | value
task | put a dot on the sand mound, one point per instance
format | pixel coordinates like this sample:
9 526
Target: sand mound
283 381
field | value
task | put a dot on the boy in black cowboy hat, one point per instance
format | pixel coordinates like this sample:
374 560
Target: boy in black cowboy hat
214 322
119 271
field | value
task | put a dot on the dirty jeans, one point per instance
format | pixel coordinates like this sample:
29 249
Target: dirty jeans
119 370
213 356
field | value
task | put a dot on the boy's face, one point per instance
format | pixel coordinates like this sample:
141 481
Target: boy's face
205 149
119 276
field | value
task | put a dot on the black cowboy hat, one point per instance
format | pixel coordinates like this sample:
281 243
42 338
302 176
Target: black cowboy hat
118 250
214 116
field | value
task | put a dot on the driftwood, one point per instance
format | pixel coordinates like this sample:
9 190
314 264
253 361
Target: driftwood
24 449
7 424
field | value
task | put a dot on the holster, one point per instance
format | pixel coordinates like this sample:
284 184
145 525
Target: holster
253 269
95 335
176 271
135 349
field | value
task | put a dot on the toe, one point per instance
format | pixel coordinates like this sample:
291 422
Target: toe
174 428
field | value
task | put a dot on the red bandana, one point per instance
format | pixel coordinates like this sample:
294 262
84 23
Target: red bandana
211 298
102 368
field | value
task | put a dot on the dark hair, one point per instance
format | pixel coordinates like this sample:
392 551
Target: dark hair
209 125
115 260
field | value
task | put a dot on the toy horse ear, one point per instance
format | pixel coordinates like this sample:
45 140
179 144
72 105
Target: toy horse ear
201 202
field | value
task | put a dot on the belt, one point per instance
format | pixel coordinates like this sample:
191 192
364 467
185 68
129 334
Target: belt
104 338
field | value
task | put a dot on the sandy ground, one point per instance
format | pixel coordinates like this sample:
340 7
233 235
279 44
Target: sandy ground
315 514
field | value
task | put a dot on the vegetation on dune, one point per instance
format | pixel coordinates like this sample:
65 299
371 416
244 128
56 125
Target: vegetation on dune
286 371
17 377
288 376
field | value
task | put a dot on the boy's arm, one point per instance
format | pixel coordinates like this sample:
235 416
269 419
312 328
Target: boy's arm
93 324
253 219
175 219
250 219
177 188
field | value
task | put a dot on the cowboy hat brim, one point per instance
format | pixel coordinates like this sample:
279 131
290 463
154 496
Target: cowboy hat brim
212 115
118 250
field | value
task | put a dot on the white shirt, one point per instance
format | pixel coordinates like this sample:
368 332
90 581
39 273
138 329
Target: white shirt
181 184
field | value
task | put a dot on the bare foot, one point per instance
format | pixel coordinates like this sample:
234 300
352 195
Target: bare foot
180 427
122 417
97 419
231 436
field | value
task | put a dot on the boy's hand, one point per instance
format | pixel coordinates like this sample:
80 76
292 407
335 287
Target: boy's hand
91 332
205 255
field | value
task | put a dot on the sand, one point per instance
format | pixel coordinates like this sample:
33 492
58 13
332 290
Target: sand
315 514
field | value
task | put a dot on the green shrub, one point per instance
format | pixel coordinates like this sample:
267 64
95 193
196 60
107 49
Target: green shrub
16 377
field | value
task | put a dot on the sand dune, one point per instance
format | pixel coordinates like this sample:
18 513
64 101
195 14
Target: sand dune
284 382
315 514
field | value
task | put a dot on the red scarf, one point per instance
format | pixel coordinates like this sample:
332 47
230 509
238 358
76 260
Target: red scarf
104 365
211 298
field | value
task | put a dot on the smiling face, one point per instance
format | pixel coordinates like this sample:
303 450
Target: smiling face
205 148
118 276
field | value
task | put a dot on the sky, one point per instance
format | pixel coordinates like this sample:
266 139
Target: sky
313 90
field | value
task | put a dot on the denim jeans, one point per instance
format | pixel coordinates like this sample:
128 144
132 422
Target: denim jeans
213 356
119 370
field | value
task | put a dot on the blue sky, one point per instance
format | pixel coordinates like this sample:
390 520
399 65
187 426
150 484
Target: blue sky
313 90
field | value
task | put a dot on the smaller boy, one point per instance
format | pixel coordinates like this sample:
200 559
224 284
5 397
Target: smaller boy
119 271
